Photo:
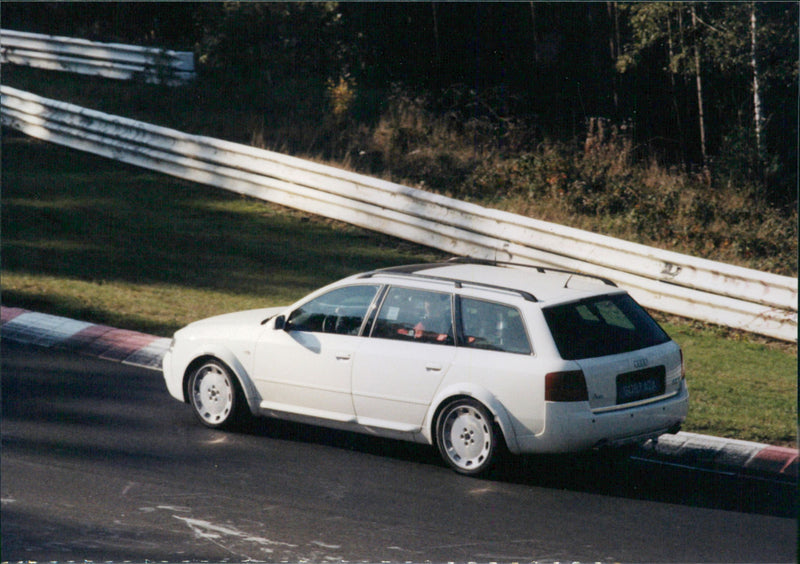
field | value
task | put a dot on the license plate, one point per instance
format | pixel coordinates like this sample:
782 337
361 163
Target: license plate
641 384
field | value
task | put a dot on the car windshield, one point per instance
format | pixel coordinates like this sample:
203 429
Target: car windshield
601 326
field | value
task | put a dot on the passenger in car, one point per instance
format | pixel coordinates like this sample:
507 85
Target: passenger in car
436 323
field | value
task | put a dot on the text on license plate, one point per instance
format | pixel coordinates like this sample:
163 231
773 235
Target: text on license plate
640 384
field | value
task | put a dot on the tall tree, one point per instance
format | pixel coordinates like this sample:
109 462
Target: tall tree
699 81
659 37
743 56
757 116
613 46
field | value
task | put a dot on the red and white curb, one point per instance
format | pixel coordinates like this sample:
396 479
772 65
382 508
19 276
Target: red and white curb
140 349
728 456
121 345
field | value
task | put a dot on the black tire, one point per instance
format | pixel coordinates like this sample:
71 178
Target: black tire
467 438
216 397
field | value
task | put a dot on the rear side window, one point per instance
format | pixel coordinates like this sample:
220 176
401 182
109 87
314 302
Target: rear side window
602 326
494 327
415 315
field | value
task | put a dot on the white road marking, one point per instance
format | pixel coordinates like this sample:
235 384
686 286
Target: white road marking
323 545
205 530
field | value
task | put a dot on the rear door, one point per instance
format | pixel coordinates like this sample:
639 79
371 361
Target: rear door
399 368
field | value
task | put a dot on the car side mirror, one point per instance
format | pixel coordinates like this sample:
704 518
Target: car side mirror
280 323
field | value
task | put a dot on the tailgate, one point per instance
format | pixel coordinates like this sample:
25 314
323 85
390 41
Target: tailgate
624 380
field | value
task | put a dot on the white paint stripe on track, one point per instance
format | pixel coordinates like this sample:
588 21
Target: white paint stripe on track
47 330
42 329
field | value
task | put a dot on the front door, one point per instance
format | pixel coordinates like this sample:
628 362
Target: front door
306 367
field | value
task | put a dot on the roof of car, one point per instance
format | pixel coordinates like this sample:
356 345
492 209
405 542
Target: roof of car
534 283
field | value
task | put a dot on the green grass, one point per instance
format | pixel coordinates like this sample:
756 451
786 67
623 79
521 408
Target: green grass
95 240
105 242
740 387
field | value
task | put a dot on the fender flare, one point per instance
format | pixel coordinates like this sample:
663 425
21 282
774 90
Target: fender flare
226 356
477 393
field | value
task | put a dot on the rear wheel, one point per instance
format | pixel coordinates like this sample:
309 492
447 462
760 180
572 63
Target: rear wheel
466 437
215 396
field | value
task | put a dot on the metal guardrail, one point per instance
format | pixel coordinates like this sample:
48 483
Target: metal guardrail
109 60
751 300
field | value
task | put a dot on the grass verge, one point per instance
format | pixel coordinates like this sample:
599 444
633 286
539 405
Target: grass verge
104 242
99 241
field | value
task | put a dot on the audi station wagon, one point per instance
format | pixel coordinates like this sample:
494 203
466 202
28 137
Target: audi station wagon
472 357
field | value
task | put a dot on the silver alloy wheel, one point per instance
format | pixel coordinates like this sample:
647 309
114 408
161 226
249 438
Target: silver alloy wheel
213 394
466 437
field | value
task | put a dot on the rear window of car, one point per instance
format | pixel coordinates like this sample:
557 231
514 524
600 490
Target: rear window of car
603 325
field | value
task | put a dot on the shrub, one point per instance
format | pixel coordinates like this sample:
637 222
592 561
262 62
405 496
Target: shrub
597 185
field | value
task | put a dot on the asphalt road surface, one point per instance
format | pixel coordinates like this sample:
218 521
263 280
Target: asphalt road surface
99 463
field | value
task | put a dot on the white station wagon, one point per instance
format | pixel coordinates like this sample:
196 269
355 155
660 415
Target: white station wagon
471 356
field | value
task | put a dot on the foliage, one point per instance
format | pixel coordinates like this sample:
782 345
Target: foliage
341 96
268 42
598 186
545 68
735 55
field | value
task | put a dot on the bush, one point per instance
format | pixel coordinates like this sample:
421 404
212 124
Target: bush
597 185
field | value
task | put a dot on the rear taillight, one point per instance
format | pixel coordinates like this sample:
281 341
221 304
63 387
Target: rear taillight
683 367
565 386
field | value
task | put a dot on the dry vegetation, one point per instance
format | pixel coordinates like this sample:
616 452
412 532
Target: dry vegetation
597 183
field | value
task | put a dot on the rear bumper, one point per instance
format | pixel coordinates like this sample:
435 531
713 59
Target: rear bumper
572 426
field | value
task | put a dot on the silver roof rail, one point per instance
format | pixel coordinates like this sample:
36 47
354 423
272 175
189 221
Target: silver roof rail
413 271
540 268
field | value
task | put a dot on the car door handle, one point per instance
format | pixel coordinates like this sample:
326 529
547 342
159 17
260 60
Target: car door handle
343 356
433 367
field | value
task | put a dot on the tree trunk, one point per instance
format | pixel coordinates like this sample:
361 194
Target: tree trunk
699 80
614 49
534 34
675 105
436 33
757 117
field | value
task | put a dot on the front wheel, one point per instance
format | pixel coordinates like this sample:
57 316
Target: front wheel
466 437
215 396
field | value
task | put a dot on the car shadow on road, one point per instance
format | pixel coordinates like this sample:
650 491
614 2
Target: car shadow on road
617 473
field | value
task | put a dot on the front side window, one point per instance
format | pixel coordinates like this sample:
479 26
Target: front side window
602 326
421 316
339 311
494 327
